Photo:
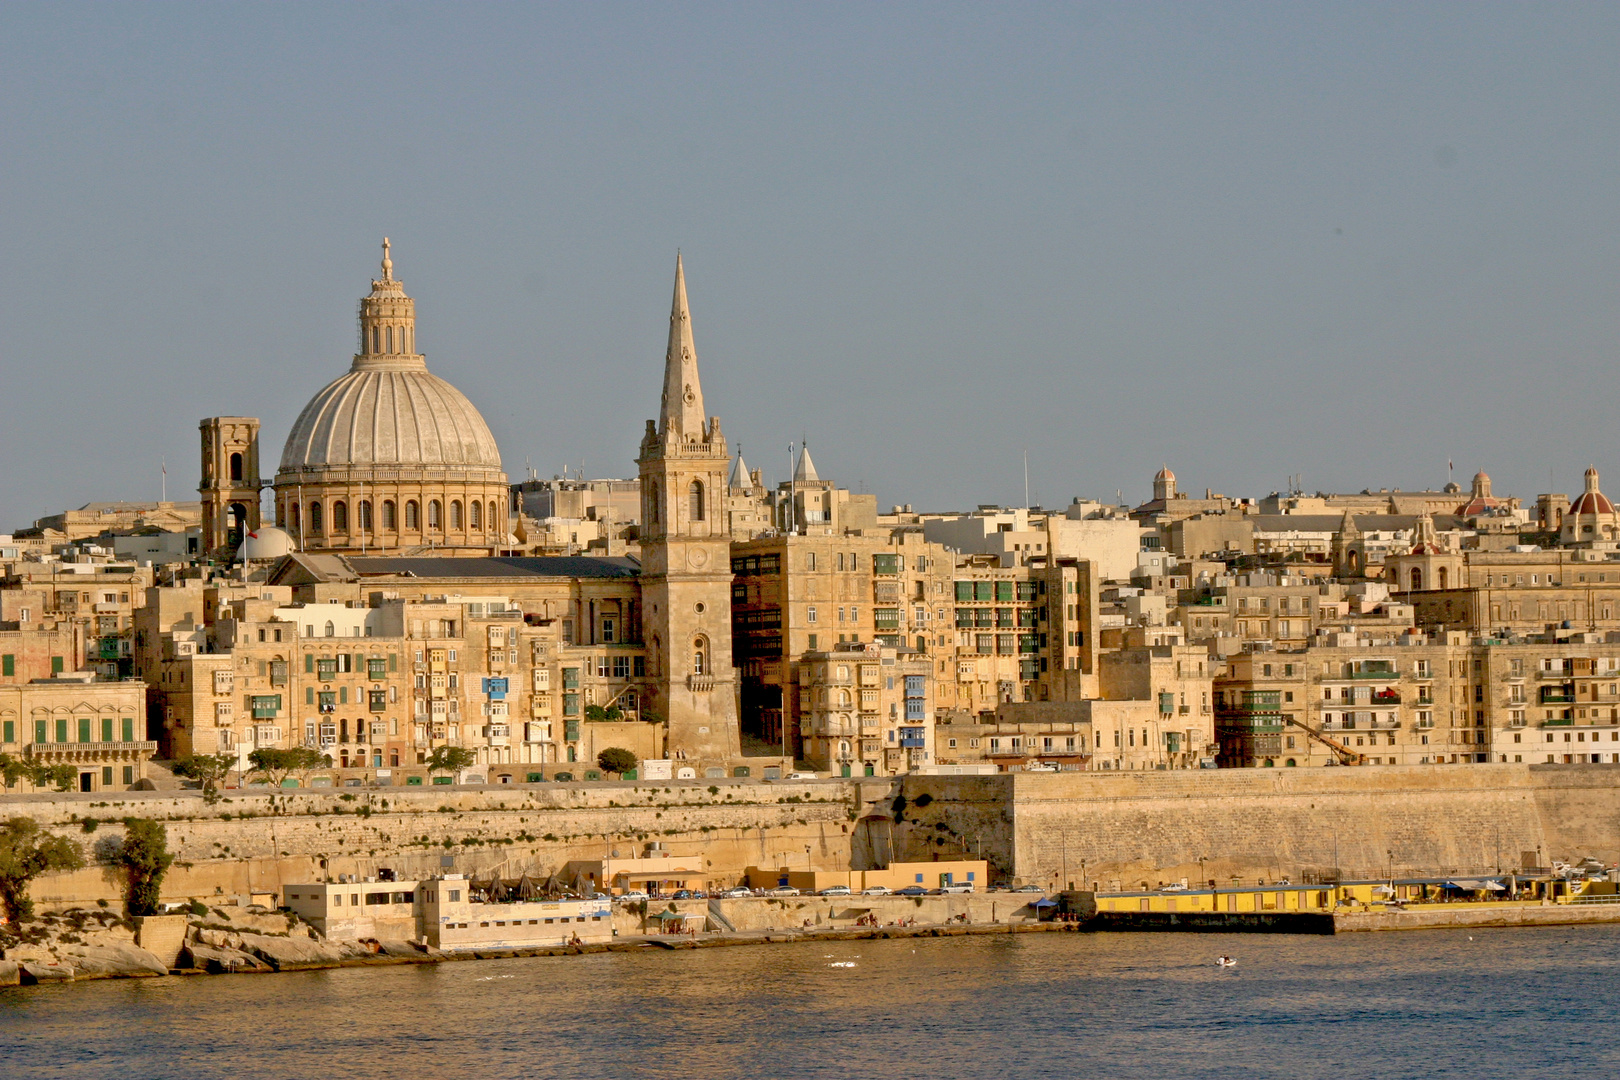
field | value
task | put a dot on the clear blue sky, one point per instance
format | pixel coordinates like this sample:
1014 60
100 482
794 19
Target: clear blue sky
1351 241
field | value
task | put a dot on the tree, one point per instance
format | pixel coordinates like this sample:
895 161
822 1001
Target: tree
596 714
145 855
25 853
37 773
616 760
450 759
277 765
211 769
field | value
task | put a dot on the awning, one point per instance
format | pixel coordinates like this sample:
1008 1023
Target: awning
1472 885
1043 902
667 915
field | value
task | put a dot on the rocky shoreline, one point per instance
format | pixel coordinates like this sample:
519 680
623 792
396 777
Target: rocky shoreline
82 945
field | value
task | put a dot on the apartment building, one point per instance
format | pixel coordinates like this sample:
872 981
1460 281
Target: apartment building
867 710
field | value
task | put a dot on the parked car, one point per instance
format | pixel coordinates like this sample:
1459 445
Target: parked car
912 890
802 776
634 894
1029 888
835 890
737 892
685 894
877 890
783 890
957 887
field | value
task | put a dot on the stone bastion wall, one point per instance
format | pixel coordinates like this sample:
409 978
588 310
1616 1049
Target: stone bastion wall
1115 830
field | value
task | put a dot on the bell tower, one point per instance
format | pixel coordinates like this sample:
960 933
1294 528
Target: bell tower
686 556
230 480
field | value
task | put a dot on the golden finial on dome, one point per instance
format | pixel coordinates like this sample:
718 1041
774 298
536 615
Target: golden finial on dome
387 263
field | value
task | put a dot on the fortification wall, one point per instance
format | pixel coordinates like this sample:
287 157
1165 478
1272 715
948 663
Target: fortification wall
1114 829
1126 828
253 841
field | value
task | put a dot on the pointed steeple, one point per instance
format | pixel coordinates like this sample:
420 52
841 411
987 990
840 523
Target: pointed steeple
805 471
739 472
682 408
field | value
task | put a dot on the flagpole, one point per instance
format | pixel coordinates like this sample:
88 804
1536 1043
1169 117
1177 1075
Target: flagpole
165 494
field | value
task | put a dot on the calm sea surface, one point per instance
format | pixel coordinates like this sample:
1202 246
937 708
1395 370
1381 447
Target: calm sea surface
1504 1003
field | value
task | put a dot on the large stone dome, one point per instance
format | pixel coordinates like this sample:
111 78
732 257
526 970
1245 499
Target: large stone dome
390 413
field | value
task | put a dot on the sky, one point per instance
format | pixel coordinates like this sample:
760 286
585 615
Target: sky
1347 242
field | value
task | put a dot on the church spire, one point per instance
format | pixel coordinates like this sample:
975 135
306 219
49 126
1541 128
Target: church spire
387 263
682 410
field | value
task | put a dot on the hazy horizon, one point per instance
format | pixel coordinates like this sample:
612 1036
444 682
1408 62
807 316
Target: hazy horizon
1246 240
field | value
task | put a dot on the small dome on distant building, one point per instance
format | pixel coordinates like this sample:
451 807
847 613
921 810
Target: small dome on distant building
267 542
1591 501
1480 501
1164 474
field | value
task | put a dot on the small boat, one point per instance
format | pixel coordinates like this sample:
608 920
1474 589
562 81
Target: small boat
1226 962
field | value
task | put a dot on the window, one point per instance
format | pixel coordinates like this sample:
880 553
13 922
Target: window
340 517
412 515
434 519
477 513
365 515
652 503
388 517
696 495
700 655
455 514
315 518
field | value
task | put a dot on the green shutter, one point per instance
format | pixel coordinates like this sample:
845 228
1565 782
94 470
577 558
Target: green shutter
964 591
393 661
309 662
983 590
1004 590
40 734
62 730
343 695
129 729
309 695
263 666
10 733
84 729
56 668
106 729
8 664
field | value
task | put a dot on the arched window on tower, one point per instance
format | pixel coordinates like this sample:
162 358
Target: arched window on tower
315 519
434 512
390 522
476 511
376 340
365 515
696 492
700 655
455 514
412 516
1442 577
1417 579
236 466
388 338
494 515
292 515
652 502
340 517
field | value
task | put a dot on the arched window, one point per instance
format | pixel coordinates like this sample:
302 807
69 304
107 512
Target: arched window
1417 579
365 515
292 515
1442 577
700 656
696 492
390 522
843 699
455 514
434 512
236 466
331 631
388 337
413 516
376 340
340 517
494 519
652 503
315 518
476 512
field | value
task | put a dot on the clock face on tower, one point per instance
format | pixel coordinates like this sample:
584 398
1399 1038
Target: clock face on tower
697 558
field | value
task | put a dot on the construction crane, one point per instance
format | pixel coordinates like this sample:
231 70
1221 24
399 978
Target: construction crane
1345 755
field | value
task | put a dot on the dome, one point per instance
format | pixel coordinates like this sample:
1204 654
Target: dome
390 414
267 542
1163 474
1591 501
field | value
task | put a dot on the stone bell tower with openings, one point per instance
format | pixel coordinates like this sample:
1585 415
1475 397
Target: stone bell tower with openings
686 557
230 481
